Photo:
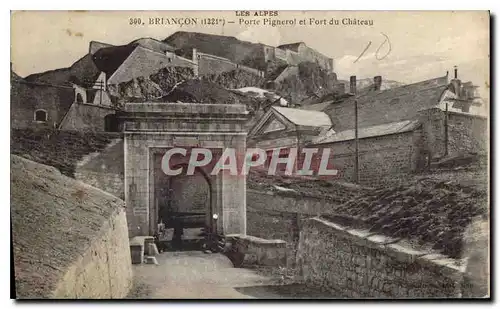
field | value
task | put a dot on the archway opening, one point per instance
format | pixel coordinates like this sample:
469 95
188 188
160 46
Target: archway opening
40 115
185 209
79 98
111 123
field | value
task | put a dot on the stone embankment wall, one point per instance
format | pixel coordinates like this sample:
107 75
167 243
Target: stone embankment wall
70 240
104 169
104 270
355 263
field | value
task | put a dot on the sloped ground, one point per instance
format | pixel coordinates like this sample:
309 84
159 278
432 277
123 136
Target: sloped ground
204 91
236 79
303 186
61 149
428 211
195 275
54 218
433 208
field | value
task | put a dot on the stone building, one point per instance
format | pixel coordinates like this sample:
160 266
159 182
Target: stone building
207 64
282 128
140 58
400 130
77 98
153 129
38 105
299 52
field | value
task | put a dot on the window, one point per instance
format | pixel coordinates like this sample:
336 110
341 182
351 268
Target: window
169 59
40 115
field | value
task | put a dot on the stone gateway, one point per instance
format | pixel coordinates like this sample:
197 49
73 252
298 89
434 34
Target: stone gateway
151 129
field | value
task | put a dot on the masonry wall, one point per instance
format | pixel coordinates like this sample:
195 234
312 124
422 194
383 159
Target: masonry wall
467 133
312 55
280 54
186 130
351 264
104 170
210 64
287 72
144 62
382 159
70 239
27 98
272 224
104 270
271 215
86 117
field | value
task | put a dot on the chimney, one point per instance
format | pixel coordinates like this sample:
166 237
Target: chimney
456 71
195 56
377 83
352 84
196 62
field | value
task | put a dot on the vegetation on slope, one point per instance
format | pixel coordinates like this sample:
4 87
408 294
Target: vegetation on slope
429 211
60 149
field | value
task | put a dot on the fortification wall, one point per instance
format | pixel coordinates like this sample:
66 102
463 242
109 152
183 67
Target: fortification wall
104 270
353 263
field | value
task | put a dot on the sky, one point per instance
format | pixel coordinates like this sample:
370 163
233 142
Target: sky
400 45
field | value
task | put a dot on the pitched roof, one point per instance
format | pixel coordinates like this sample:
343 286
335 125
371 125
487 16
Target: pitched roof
304 117
144 62
395 104
291 46
319 107
378 130
109 59
154 45
95 46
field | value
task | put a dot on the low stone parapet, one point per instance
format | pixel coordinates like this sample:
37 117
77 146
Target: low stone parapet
253 250
137 249
357 263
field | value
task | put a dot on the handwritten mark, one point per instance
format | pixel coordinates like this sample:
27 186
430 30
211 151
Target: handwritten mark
383 43
386 41
364 51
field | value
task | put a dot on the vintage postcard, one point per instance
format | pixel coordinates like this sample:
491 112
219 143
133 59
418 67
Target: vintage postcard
250 154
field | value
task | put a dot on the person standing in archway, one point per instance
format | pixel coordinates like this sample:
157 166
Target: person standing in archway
178 232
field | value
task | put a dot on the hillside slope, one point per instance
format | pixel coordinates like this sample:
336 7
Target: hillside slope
427 211
60 149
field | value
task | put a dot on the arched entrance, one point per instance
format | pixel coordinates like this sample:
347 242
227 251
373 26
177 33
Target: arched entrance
184 207
111 123
153 128
79 98
187 198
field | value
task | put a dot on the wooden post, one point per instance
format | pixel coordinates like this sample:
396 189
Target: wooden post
100 92
356 159
356 162
446 131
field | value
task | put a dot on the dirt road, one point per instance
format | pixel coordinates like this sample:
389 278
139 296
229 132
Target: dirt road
193 274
